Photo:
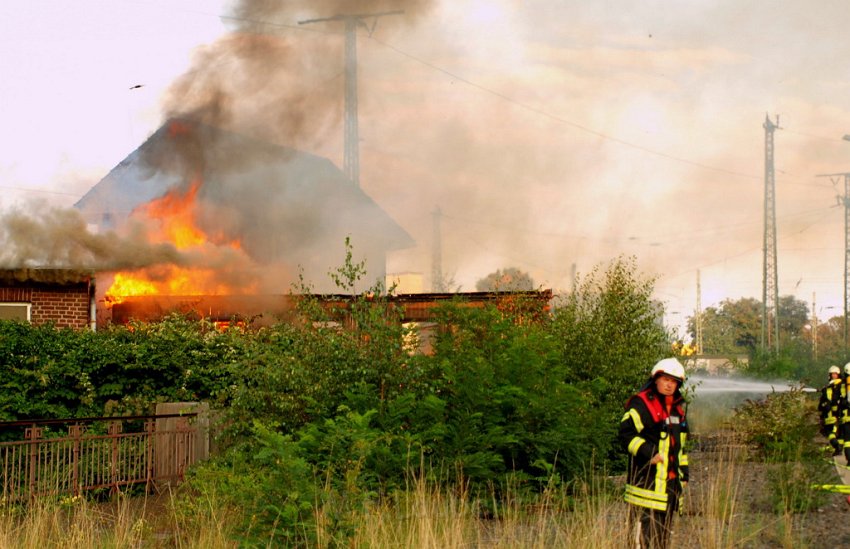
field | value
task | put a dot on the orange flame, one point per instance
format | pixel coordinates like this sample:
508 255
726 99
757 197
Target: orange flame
175 214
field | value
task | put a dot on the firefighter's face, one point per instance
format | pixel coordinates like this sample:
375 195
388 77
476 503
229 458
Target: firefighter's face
665 384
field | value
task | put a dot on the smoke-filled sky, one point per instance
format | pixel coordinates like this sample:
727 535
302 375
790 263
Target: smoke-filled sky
549 133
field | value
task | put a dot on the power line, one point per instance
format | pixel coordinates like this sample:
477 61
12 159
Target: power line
43 191
563 120
697 234
528 107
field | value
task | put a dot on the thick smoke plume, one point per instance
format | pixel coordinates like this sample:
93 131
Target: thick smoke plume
273 78
269 79
58 237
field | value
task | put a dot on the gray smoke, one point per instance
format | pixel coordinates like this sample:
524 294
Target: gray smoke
263 80
273 79
56 237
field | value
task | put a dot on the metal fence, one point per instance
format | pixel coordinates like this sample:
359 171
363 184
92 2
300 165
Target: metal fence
71 456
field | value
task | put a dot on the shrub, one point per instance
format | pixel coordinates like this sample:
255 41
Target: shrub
782 428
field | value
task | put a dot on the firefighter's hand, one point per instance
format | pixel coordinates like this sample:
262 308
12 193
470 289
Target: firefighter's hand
656 459
684 484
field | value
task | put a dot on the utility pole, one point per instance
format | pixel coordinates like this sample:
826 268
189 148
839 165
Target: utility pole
814 329
351 160
845 201
437 283
770 279
698 321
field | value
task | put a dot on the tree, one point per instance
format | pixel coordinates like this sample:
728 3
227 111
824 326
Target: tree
831 339
730 329
609 336
793 319
735 327
509 280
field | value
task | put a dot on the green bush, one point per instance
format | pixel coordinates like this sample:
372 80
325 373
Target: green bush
783 428
329 411
53 373
609 334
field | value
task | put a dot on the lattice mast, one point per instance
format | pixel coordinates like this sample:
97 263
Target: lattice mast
845 201
814 328
846 253
351 158
770 279
698 320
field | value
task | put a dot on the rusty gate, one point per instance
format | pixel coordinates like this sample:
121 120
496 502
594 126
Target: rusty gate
70 456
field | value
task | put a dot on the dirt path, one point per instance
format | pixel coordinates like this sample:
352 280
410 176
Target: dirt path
724 475
842 469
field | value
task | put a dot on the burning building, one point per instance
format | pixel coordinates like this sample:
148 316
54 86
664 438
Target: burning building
246 216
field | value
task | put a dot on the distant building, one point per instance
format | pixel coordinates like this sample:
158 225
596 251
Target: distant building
406 283
63 297
716 364
415 310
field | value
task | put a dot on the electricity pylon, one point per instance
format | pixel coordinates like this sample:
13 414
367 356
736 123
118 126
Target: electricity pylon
845 201
698 319
351 160
814 329
770 278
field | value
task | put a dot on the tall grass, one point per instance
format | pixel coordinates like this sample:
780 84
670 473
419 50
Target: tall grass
587 514
714 502
74 522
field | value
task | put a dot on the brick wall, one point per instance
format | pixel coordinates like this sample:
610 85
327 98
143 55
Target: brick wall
66 305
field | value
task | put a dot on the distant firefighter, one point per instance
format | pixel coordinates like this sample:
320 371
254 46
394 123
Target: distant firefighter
828 407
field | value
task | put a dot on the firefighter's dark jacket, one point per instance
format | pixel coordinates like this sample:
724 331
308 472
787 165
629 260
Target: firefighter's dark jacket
830 401
648 428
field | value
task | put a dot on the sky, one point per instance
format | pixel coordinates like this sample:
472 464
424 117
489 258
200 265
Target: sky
554 136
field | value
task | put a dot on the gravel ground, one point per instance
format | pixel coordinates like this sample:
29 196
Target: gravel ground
751 521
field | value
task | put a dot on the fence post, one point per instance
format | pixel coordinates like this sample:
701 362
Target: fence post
75 431
150 433
114 431
33 434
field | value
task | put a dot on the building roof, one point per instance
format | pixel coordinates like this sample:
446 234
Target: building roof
45 276
271 197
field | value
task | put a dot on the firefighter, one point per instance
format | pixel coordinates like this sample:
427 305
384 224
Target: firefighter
828 405
654 432
843 413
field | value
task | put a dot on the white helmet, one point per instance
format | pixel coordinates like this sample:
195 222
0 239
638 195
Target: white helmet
847 368
671 367
835 369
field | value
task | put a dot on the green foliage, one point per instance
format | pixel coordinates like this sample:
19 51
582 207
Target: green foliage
734 328
329 411
45 371
782 427
791 481
50 373
273 488
346 276
508 403
778 423
609 335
